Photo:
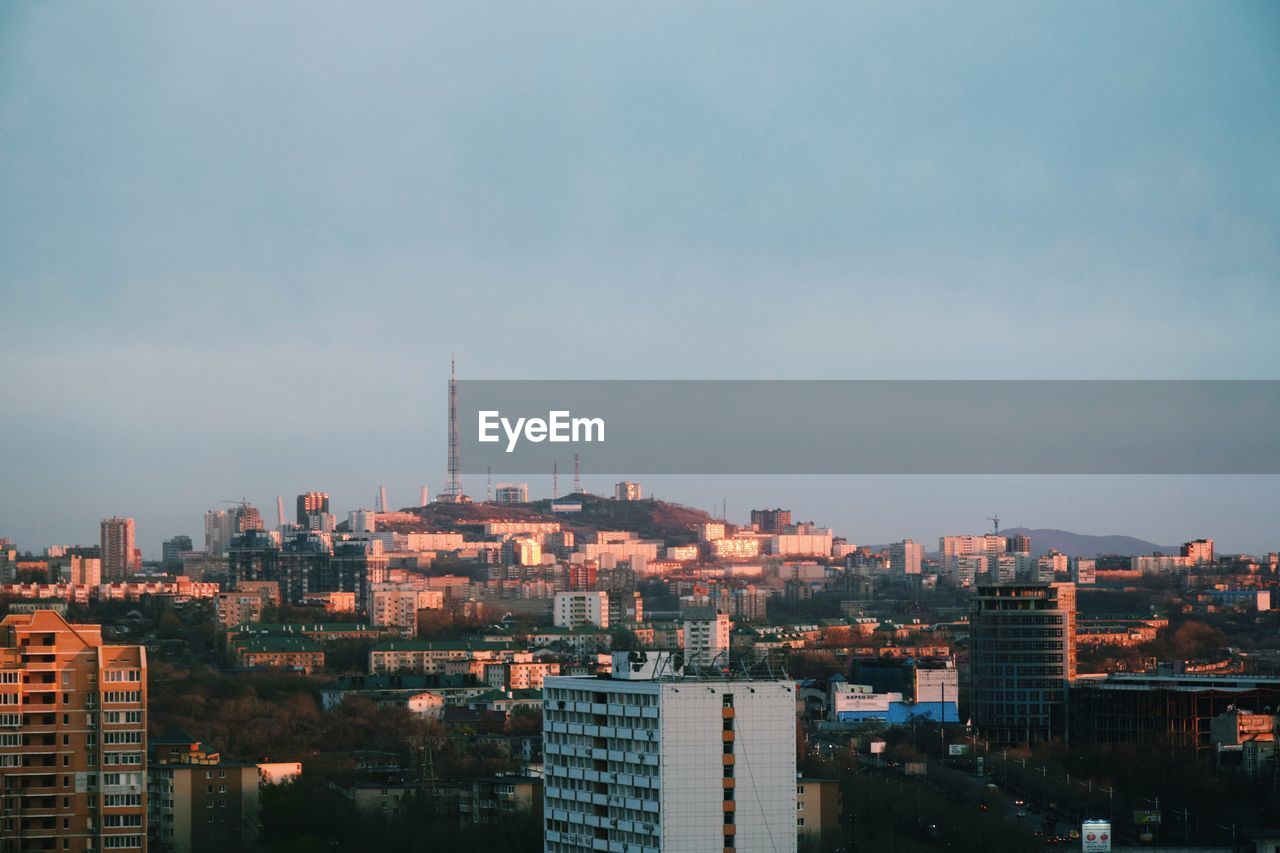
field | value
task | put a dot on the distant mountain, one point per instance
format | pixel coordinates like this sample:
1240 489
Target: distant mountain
1083 545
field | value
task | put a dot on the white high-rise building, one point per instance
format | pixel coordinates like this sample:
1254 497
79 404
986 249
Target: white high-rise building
706 640
668 766
581 609
989 545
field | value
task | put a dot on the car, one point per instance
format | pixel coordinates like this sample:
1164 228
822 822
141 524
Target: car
1019 802
1022 814
983 806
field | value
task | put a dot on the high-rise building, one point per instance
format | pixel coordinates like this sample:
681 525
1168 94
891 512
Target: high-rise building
1048 568
627 491
771 520
73 737
581 609
1019 544
625 607
1198 550
953 548
119 559
219 530
905 557
706 640
1083 570
511 493
309 504
670 765
171 551
583 575
246 517
1023 655
354 567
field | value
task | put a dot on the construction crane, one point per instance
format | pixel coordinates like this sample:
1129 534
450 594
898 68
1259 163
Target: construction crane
995 519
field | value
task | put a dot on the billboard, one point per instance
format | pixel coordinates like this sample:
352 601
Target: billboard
1095 836
957 749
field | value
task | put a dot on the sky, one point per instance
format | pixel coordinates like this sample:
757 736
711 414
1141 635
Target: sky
239 243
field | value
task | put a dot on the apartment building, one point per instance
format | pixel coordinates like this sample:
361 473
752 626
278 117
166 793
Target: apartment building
238 608
397 606
73 737
672 764
448 658
200 802
581 609
706 639
271 651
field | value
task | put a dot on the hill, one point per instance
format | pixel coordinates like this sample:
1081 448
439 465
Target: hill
1084 545
650 519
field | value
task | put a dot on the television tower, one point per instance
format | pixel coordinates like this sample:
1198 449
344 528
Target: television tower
555 479
453 485
577 480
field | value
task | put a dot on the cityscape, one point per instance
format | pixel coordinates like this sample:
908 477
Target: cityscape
590 427
612 672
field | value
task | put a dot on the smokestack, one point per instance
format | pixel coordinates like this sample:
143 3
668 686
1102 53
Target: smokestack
382 496
280 511
426 496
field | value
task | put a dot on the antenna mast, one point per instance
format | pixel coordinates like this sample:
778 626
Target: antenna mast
577 480
453 487
555 479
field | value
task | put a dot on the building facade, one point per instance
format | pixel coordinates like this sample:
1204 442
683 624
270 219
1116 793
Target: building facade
673 765
117 548
1022 658
581 609
73 737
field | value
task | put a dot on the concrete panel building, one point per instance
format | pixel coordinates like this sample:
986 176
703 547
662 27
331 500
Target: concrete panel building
669 765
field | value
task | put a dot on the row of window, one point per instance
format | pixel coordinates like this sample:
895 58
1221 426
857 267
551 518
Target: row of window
115 675
113 717
119 697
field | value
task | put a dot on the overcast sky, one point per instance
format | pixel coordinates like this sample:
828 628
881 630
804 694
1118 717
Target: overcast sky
238 242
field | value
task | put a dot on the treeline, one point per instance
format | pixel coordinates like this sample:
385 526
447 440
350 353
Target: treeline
311 815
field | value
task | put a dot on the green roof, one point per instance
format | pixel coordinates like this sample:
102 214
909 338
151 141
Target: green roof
277 644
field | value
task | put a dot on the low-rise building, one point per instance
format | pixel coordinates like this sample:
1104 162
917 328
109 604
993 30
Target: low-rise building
199 801
497 799
291 654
